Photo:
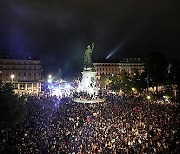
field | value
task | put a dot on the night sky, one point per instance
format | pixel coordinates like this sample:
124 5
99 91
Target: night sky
59 31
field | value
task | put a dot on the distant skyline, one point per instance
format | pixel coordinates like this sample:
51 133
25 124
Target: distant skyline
59 31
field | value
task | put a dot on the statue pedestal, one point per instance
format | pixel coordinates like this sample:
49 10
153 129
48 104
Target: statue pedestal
88 82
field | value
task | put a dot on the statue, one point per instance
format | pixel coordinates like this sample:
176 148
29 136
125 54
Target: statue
87 56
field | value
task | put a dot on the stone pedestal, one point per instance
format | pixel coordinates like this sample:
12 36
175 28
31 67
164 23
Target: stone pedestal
88 82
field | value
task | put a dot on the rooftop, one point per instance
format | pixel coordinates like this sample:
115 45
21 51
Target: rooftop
124 60
18 57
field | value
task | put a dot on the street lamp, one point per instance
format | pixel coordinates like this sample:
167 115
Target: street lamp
148 98
49 78
12 77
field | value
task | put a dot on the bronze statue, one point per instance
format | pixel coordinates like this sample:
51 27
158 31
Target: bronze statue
87 56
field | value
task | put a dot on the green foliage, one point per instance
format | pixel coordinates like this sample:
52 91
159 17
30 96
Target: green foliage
126 82
173 77
104 81
115 83
174 73
169 91
12 107
139 81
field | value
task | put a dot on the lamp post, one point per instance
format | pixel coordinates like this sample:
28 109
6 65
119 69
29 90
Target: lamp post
148 98
12 77
49 78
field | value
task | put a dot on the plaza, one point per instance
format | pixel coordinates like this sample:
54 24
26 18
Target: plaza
89 77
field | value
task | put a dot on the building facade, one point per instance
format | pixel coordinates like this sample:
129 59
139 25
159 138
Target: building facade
129 65
107 69
24 73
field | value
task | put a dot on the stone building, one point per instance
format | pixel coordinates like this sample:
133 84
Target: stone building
129 65
23 72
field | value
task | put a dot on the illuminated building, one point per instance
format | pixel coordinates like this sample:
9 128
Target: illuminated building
129 65
106 69
24 73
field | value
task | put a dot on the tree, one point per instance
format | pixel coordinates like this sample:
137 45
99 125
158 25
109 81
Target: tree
104 81
12 108
139 81
174 76
126 82
115 83
156 67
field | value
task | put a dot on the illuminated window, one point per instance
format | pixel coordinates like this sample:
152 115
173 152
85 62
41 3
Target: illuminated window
16 86
29 85
22 86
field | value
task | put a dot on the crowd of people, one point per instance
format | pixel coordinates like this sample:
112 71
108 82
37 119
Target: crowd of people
117 125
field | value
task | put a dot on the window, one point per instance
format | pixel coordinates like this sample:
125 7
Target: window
16 86
22 86
29 85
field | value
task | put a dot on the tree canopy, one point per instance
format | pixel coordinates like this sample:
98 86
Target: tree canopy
12 107
156 67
